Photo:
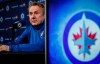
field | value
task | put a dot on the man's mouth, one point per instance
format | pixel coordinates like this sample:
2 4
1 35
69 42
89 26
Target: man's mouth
33 20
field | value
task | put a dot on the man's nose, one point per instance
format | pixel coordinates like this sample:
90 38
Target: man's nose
33 16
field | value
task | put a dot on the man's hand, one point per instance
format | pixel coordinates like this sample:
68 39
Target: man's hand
4 48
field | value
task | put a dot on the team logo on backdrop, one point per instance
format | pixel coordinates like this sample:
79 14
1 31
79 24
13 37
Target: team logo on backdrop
7 8
1 19
1 39
30 2
22 16
82 38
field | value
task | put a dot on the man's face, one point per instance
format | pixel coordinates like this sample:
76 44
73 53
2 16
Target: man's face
36 15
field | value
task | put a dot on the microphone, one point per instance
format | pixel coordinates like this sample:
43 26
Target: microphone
16 25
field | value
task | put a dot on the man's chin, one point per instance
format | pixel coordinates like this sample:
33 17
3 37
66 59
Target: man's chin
35 24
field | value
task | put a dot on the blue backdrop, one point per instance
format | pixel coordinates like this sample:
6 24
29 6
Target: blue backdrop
61 14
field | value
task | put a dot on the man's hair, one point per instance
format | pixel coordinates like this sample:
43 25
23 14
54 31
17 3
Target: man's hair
36 4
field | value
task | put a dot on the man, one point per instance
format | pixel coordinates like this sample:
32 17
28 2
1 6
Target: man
35 32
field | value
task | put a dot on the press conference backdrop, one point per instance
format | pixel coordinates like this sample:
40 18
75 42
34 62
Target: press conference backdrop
74 31
13 12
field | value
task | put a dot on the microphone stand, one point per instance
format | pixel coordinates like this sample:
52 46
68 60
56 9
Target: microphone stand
13 36
15 26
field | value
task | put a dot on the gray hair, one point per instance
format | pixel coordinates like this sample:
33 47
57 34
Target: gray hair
36 4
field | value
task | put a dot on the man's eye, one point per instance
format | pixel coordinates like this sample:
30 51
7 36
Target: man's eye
30 13
36 12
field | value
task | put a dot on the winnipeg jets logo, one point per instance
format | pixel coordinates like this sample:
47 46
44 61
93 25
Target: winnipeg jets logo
42 34
82 38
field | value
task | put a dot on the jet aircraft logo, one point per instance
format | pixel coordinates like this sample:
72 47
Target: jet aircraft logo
82 38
